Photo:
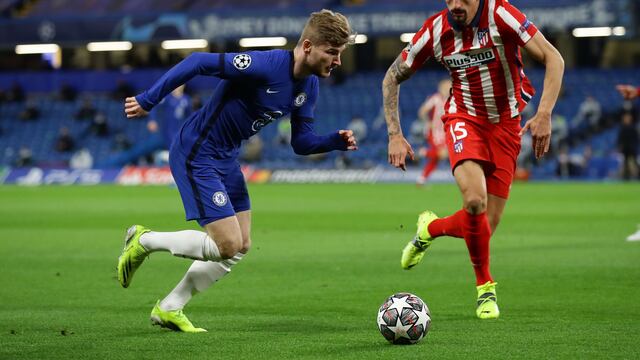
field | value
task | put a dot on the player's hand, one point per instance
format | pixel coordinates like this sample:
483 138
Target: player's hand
540 126
399 148
349 139
133 109
628 92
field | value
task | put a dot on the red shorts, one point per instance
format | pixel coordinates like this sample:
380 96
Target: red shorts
494 146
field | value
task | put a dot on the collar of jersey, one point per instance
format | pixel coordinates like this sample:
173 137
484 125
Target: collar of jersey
474 23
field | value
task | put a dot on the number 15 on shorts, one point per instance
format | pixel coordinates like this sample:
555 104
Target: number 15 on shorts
458 132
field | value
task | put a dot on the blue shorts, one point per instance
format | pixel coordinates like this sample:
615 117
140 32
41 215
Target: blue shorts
211 189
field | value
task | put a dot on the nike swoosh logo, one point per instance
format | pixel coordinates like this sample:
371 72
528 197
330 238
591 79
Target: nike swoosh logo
269 91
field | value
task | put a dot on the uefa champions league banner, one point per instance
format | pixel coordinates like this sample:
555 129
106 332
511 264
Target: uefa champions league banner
381 20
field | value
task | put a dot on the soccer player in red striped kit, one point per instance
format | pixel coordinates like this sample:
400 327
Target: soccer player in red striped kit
479 42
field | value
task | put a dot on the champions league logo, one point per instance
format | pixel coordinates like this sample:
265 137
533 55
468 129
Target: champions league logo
219 198
242 61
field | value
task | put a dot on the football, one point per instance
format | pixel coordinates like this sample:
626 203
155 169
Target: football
404 319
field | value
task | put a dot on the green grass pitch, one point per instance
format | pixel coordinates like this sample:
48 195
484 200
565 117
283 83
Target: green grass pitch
324 258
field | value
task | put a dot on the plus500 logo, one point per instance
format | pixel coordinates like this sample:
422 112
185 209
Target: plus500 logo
469 59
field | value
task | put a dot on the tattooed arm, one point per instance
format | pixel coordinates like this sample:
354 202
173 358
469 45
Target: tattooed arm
399 148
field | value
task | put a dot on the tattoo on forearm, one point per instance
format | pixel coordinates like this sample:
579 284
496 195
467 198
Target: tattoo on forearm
397 73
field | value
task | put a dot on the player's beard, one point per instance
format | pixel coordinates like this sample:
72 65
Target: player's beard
459 16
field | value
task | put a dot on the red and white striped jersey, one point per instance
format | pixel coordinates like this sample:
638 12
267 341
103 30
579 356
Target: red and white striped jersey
434 131
483 59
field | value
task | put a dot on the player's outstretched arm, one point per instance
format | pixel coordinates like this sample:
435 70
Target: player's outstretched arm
399 147
540 125
629 92
195 64
304 140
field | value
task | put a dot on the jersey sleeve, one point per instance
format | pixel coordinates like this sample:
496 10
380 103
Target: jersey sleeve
252 65
305 102
514 23
420 49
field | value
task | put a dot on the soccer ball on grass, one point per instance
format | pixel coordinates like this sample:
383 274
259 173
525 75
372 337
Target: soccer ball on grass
404 319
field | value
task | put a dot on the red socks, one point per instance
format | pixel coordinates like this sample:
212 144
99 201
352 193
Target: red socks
432 162
476 232
448 226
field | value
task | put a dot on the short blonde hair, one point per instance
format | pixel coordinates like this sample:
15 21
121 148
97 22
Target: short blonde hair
327 27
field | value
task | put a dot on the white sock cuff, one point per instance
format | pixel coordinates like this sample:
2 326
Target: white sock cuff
210 249
227 264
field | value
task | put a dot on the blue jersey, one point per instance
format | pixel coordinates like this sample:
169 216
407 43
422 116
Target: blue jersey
256 88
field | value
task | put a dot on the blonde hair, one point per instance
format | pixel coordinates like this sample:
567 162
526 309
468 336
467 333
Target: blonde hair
327 27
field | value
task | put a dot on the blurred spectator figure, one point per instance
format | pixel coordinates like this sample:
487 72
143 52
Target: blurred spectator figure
81 159
252 149
342 161
65 142
99 126
30 112
628 141
86 111
169 116
283 137
560 132
570 165
165 121
525 158
589 114
359 128
121 142
122 90
25 157
417 131
3 96
16 93
67 93
528 112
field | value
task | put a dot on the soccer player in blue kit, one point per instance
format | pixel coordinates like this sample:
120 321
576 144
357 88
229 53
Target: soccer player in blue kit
256 88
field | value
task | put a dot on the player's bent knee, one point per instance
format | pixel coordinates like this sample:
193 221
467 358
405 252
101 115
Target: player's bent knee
228 247
475 205
228 250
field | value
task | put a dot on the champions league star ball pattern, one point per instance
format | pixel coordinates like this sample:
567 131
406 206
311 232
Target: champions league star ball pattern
404 319
241 61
